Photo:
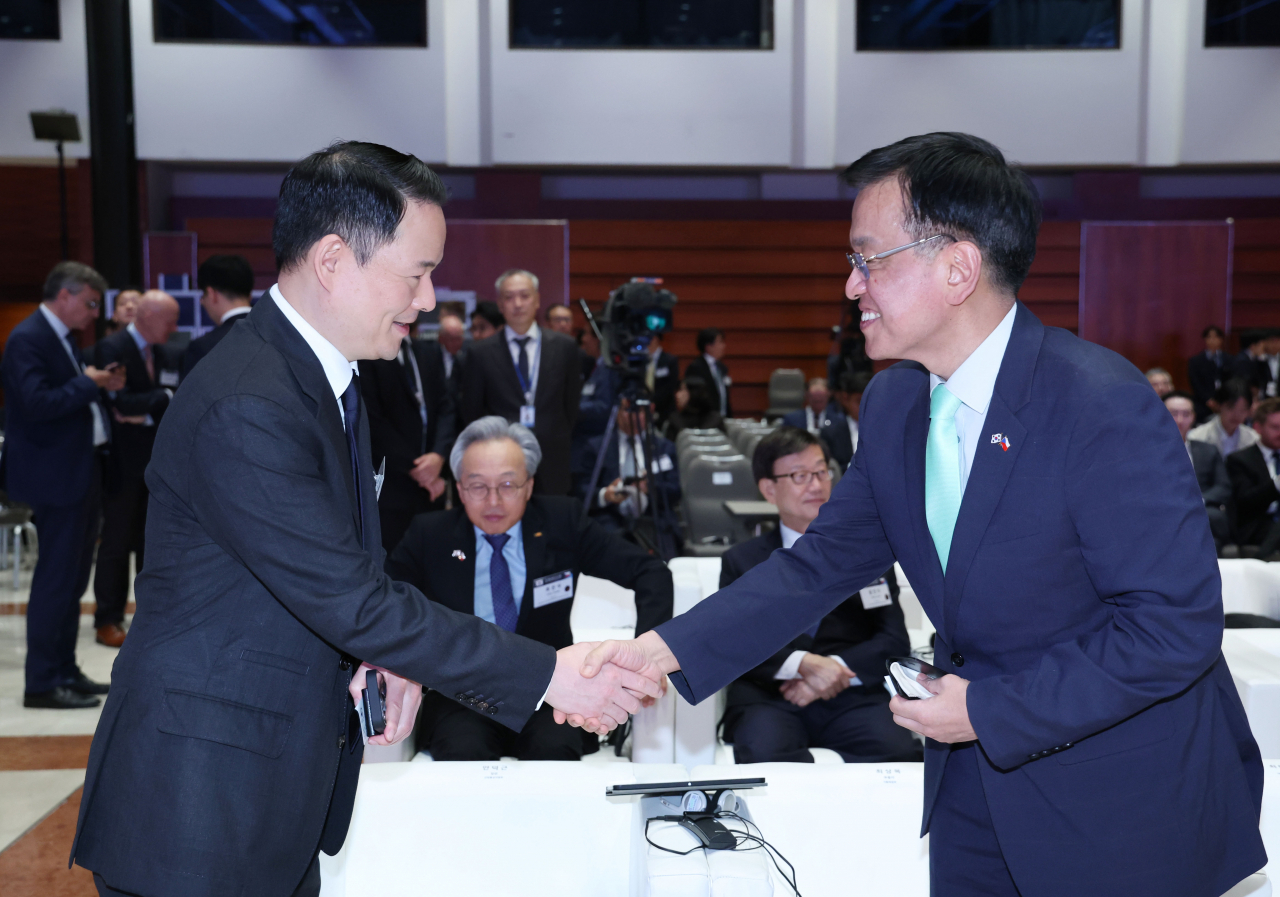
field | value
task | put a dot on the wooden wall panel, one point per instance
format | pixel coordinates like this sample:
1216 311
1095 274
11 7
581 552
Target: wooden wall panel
1255 282
249 237
30 229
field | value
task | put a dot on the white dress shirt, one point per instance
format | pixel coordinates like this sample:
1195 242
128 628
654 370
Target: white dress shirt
534 350
145 348
721 387
99 422
1273 468
235 313
853 432
336 367
790 668
448 362
973 383
630 458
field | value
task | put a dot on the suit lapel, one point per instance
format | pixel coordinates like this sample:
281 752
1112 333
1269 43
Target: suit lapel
534 540
58 342
460 566
929 570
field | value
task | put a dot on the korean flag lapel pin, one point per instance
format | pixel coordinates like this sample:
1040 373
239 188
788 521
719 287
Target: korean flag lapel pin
459 554
1001 440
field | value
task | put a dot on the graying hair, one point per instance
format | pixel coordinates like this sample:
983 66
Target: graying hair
512 272
488 429
817 382
1154 371
73 276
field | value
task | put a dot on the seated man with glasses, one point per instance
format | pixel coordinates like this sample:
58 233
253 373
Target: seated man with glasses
826 687
514 558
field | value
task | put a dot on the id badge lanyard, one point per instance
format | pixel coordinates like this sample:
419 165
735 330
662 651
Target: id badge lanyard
528 387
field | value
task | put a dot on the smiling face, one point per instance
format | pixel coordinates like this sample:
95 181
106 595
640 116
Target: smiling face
798 506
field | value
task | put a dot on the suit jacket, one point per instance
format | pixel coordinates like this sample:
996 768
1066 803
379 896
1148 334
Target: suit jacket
396 432
699 368
665 384
1206 375
131 444
1256 371
798 418
1211 473
1211 432
490 386
438 556
864 639
228 748
202 346
1254 491
835 433
48 433
1081 599
665 481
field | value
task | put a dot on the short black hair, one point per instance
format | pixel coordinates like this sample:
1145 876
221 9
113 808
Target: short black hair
1178 394
1232 391
1212 328
780 443
358 191
489 311
854 382
707 336
1250 338
553 307
960 185
73 276
230 275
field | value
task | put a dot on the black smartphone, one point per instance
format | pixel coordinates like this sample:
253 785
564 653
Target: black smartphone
916 665
374 696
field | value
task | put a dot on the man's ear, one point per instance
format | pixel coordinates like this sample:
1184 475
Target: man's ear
964 270
329 252
767 488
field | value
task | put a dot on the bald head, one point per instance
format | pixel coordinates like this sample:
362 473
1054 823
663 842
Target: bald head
451 333
157 316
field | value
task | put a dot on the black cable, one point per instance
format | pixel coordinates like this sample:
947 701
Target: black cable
740 838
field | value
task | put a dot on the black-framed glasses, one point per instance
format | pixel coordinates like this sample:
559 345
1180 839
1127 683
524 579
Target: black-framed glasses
479 492
859 262
802 477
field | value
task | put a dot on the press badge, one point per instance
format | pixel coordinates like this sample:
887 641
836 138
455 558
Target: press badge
169 378
527 415
552 588
876 595
662 465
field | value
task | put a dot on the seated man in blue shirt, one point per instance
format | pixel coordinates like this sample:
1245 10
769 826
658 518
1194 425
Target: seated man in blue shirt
826 687
514 558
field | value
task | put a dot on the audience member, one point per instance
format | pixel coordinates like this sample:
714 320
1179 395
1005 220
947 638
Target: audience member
1226 431
840 434
1208 370
851 357
151 375
560 319
1254 472
451 335
123 310
1160 381
513 559
623 491
529 376
1271 346
817 412
486 320
226 282
1251 364
826 687
712 370
661 377
695 408
55 431
412 425
589 344
1211 470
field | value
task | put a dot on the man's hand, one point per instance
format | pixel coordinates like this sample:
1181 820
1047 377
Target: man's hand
404 696
601 702
615 493
647 654
944 717
139 419
426 469
824 675
798 692
111 381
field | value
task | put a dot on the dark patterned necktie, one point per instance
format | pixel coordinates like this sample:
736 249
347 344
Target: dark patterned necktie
504 603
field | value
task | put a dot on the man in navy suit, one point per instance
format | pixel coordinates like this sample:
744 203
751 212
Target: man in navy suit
818 410
1088 738
55 432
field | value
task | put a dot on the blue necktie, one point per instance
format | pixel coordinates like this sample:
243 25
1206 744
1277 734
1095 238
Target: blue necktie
942 471
523 365
504 605
351 412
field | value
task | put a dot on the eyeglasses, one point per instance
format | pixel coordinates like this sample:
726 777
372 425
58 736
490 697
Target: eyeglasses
478 492
92 304
802 477
859 263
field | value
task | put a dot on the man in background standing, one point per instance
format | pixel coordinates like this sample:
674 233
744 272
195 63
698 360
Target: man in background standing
55 431
1208 370
227 285
453 356
151 376
662 376
709 366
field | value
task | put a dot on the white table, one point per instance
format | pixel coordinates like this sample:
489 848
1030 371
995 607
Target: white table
1250 586
1253 656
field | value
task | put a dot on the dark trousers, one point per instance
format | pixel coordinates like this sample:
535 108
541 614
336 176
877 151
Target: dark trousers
453 732
856 724
1219 526
1264 532
310 886
67 535
124 524
964 855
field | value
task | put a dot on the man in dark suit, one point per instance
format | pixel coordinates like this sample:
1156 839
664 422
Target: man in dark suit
1254 472
840 433
1208 370
451 335
662 378
55 431
151 376
818 409
514 558
226 282
228 754
412 424
825 688
710 367
1211 470
529 376
1031 486
1251 364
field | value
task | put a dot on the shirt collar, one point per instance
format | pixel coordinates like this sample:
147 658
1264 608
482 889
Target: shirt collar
336 367
789 535
55 322
975 380
514 533
534 332
138 339
235 313
710 361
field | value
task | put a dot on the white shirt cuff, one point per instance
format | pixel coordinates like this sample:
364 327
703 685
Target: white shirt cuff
853 677
790 668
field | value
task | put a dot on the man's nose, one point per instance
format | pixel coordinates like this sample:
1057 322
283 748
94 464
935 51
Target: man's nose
855 286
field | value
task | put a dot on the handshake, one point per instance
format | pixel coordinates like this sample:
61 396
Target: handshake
597 684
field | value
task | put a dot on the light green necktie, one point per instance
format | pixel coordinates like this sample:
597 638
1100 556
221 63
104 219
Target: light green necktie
942 471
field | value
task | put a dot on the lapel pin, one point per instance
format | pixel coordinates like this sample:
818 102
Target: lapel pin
537 535
459 554
1004 443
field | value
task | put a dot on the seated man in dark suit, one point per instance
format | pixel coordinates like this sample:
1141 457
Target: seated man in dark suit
1254 473
1211 470
840 434
817 411
513 559
826 687
227 285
